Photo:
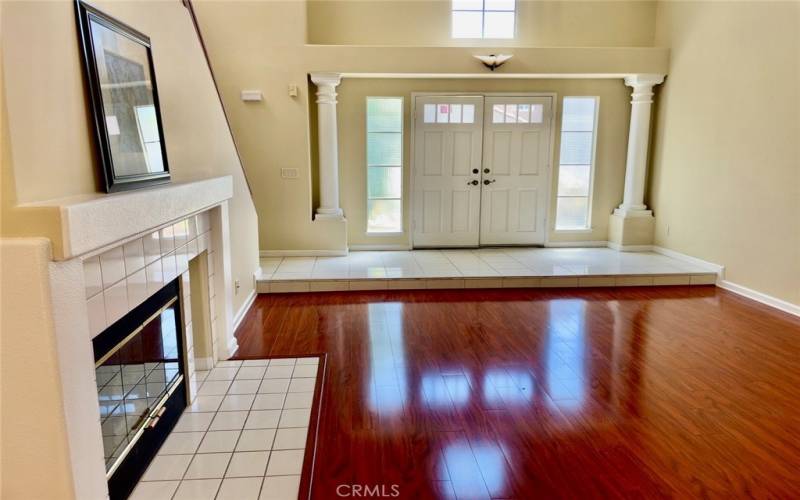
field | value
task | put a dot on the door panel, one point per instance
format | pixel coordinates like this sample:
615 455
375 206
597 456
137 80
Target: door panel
448 145
517 156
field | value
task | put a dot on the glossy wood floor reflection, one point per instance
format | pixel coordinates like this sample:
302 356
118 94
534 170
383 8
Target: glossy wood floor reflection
621 392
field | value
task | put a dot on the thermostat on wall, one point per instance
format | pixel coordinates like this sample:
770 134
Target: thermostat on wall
252 95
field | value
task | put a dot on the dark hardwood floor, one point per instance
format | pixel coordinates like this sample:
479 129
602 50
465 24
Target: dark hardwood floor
620 392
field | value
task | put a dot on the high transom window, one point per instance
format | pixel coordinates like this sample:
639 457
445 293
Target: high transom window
483 18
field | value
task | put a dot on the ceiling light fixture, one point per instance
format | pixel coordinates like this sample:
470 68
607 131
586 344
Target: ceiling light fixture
493 61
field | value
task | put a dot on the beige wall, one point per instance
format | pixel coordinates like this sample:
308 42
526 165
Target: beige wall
47 145
261 45
613 118
427 22
725 181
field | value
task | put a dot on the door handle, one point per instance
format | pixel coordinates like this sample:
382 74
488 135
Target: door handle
473 182
486 182
475 170
485 171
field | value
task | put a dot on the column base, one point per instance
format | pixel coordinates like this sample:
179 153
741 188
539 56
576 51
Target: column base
329 214
631 230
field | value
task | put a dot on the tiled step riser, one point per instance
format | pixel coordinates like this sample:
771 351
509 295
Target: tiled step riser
286 286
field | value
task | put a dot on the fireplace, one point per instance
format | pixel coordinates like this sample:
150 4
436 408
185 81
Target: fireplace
141 389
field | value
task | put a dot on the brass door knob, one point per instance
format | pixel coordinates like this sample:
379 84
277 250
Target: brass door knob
474 182
486 182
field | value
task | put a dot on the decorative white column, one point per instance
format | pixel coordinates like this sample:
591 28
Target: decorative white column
328 145
638 143
631 227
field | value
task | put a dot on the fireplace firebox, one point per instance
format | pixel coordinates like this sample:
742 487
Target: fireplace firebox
139 367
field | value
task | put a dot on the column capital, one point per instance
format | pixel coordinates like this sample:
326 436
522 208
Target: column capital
642 85
326 86
326 79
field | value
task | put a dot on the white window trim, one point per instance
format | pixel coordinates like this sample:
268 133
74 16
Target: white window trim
483 12
367 167
590 201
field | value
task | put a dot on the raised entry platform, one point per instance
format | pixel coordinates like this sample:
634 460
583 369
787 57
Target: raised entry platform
479 268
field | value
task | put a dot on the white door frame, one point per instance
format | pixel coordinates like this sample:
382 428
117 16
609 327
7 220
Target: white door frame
550 156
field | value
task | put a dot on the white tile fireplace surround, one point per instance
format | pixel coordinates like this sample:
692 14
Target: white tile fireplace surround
116 251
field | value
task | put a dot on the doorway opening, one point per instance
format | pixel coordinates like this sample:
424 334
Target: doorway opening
481 167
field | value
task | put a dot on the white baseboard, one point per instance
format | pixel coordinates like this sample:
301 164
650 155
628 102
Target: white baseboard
576 244
361 248
720 270
769 300
240 314
302 253
630 248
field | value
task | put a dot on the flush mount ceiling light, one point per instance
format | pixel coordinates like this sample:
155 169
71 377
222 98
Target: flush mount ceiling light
493 61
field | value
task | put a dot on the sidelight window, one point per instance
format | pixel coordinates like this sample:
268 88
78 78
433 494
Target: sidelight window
384 164
576 165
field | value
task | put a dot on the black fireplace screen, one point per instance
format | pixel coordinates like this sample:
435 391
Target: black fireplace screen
138 364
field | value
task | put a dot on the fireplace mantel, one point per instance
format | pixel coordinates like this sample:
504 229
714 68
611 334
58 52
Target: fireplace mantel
80 225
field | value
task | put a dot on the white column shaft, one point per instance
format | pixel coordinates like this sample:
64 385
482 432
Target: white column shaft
328 145
638 142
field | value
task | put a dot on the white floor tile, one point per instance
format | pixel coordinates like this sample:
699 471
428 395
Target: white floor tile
279 371
302 384
251 373
285 462
280 488
263 419
237 402
181 443
167 467
290 439
271 386
229 363
305 371
193 422
155 490
199 489
244 387
295 418
241 488
222 373
255 362
228 421
256 440
248 464
298 400
311 360
205 404
282 361
219 442
269 401
214 388
208 466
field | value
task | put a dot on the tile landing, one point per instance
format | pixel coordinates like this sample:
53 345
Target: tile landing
478 268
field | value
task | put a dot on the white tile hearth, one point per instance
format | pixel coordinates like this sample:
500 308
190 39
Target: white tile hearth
244 437
477 268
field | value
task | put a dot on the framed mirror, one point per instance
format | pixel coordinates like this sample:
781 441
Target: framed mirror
124 100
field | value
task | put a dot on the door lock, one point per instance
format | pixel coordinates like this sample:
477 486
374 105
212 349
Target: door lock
485 171
475 170
486 182
473 182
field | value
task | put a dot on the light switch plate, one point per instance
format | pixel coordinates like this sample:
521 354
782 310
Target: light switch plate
252 95
292 90
289 173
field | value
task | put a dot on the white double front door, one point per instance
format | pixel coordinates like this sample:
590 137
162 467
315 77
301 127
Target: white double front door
481 170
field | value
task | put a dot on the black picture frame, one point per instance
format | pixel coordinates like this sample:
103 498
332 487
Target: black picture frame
120 152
